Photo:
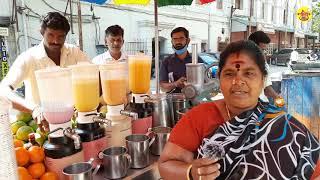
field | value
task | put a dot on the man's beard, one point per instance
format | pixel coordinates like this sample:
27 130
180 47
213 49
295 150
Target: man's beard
179 46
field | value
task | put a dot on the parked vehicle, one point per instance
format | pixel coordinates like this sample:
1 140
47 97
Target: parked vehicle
208 61
284 56
315 54
215 54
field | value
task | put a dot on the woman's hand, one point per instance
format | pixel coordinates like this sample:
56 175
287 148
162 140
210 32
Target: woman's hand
205 168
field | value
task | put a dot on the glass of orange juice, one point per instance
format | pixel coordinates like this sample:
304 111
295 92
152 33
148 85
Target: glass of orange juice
114 82
139 73
85 86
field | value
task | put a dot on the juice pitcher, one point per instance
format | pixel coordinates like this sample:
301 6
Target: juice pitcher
55 90
85 86
139 73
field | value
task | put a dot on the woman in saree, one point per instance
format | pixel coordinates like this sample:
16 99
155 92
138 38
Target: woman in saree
240 137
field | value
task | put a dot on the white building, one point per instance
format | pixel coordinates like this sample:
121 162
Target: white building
207 24
276 17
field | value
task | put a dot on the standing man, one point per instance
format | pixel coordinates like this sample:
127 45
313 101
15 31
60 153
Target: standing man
52 51
114 42
262 40
173 68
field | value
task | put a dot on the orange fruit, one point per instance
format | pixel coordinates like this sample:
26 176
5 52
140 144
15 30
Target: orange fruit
49 176
23 174
36 154
36 170
22 156
17 143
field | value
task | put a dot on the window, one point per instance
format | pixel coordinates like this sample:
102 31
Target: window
262 11
272 13
302 51
284 17
294 19
285 51
219 4
238 4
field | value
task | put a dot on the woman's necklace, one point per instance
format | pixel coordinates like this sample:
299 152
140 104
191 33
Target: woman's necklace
228 112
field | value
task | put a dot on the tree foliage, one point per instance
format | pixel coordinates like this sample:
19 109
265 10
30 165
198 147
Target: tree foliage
316 18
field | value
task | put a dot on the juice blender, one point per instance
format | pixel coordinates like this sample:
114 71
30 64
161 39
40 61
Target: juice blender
139 85
63 146
85 87
114 82
199 86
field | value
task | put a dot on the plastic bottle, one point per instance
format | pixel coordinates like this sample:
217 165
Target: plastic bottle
8 165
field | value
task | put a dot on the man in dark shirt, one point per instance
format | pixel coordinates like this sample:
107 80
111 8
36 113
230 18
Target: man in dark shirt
173 68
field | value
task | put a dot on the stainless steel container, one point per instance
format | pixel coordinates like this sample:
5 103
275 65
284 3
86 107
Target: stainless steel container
161 138
182 112
138 149
179 103
116 162
195 74
302 96
80 171
162 110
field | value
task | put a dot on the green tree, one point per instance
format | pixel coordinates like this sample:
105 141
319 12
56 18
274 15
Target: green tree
316 18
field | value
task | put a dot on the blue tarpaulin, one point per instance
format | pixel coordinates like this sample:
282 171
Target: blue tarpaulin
96 1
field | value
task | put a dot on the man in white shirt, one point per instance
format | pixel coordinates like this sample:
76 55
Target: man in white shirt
52 51
114 42
262 39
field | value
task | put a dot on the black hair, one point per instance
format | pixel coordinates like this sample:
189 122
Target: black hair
114 30
247 47
259 37
181 29
56 21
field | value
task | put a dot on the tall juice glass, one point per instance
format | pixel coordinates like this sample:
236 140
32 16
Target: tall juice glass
139 73
85 86
114 81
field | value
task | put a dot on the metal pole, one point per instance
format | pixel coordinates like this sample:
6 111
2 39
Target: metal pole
209 35
25 28
71 15
80 25
156 45
285 25
250 16
230 30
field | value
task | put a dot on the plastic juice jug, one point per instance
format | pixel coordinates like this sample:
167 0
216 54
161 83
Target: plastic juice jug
139 73
85 86
115 91
86 95
55 90
114 81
